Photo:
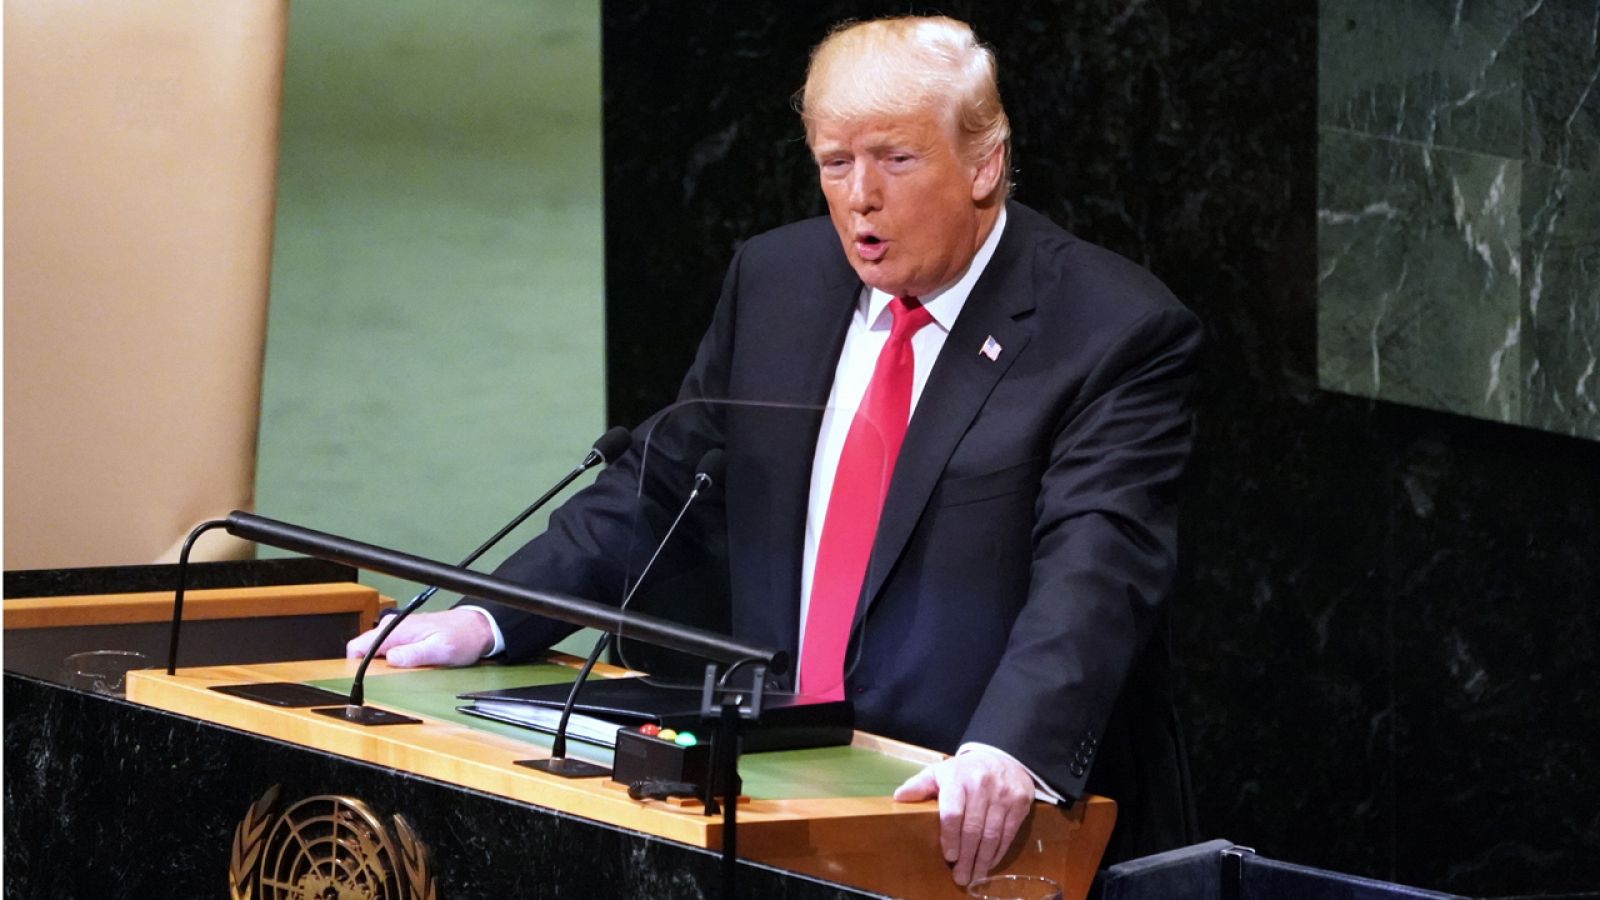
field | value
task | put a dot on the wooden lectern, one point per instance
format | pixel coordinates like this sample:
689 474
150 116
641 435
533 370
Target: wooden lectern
191 765
800 823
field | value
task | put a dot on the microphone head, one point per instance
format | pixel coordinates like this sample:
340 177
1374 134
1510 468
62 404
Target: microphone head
613 444
711 467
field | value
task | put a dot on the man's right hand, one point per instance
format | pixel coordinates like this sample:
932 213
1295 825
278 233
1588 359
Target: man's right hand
452 637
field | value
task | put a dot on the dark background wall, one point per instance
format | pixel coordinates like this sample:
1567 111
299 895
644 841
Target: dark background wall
1387 622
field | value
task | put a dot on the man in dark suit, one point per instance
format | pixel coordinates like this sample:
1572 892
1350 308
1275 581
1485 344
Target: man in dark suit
973 536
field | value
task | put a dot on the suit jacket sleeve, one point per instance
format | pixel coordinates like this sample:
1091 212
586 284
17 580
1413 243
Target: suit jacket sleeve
1104 540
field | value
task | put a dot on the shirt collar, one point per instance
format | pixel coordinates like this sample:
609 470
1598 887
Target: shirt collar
944 304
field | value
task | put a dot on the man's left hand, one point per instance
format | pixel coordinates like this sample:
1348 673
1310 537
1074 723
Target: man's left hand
984 797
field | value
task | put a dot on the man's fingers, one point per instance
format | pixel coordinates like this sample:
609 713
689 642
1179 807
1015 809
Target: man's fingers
404 634
961 824
984 798
1015 816
1000 825
432 650
973 813
357 646
448 638
989 829
1011 802
920 786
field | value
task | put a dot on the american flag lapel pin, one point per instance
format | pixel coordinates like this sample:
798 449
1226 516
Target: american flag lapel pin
991 348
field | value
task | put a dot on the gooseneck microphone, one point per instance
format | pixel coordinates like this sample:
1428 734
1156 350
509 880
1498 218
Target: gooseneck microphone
708 474
606 449
561 607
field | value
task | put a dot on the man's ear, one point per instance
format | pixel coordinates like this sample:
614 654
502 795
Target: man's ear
986 175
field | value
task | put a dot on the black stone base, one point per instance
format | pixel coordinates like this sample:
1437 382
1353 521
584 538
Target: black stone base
104 798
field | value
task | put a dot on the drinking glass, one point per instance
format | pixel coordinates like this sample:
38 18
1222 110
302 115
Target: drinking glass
102 671
1015 887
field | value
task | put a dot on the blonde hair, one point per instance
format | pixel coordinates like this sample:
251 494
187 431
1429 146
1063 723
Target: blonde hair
897 66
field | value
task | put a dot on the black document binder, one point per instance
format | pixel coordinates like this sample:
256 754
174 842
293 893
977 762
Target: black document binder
788 722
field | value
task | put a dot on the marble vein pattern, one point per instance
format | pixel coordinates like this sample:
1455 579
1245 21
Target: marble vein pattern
1457 238
1561 303
1420 275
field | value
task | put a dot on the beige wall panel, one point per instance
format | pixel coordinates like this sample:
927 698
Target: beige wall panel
140 147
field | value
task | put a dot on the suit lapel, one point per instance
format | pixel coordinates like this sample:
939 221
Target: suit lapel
812 331
960 383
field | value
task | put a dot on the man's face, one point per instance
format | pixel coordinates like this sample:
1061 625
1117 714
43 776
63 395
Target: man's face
909 209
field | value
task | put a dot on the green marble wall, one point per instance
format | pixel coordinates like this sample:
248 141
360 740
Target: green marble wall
435 341
1459 207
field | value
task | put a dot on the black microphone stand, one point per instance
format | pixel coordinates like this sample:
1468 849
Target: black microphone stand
707 474
728 708
608 447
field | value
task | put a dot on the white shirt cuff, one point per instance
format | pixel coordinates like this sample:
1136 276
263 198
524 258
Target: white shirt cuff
494 627
1041 791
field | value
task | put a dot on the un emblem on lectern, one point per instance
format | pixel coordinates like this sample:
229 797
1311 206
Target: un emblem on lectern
325 848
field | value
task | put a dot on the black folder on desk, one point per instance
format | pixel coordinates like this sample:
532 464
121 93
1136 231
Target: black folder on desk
788 721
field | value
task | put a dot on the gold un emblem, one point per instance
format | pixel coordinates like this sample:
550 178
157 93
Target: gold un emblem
325 848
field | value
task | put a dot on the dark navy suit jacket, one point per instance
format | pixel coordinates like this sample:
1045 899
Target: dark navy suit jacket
1016 589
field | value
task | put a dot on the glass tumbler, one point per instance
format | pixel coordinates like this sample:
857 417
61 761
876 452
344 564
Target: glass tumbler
1014 887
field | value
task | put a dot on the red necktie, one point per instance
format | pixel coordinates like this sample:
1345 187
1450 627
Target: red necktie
859 485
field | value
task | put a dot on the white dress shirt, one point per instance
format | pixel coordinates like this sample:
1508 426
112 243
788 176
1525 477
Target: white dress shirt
869 331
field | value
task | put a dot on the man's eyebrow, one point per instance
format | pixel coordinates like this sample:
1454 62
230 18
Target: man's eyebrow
890 140
874 144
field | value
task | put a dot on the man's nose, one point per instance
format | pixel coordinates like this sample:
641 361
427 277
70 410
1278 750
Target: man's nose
865 191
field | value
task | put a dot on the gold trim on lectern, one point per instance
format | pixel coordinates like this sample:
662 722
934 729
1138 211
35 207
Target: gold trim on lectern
211 603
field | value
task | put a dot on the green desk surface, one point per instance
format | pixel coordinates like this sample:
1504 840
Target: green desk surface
787 774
